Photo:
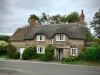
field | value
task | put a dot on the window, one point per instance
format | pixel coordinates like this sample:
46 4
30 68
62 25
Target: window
51 41
60 37
40 38
40 50
73 51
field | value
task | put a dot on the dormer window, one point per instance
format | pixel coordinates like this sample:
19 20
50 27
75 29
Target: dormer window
60 37
40 38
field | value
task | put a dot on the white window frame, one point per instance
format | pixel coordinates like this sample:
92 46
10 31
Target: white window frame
73 51
40 50
60 37
40 38
51 41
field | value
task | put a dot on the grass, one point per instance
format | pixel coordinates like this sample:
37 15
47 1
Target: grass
93 63
3 56
82 62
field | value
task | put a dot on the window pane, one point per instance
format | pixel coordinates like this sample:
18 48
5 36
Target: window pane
73 51
40 37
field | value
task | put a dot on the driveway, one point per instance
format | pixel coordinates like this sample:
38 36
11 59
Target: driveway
16 67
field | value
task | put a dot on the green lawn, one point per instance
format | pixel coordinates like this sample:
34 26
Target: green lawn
3 56
80 62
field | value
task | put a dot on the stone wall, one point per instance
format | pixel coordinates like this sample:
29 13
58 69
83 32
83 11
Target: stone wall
19 44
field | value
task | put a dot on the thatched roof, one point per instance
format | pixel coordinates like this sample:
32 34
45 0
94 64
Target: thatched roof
72 30
19 34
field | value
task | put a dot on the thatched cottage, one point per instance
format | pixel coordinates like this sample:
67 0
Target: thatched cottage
67 39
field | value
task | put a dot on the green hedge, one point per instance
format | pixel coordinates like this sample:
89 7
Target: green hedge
25 56
31 51
11 51
82 56
17 55
91 54
49 53
3 50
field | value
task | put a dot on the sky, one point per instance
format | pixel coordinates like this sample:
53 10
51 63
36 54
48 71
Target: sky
15 13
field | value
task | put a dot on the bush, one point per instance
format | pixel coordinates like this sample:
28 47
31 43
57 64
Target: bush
11 51
98 41
31 51
67 59
98 53
3 50
40 56
54 58
63 58
3 47
49 53
25 56
82 56
17 55
90 54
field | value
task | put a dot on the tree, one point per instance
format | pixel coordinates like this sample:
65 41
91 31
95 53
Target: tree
95 24
44 19
55 19
89 36
4 38
73 17
58 19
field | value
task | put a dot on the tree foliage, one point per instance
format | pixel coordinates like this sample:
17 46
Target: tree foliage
31 51
73 17
96 23
4 38
89 36
3 47
11 51
55 19
49 52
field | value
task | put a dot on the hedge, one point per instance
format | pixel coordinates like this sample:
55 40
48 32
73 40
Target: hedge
11 51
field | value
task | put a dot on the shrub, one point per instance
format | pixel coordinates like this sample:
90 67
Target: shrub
63 58
82 56
98 53
67 59
11 51
31 51
40 56
90 53
96 45
98 41
3 50
49 52
17 55
3 47
54 58
25 56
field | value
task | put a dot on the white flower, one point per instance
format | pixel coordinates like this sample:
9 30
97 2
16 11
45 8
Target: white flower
3 43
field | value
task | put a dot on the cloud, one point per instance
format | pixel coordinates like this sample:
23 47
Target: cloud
15 13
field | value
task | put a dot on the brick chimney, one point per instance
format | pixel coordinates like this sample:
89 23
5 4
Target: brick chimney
32 22
82 17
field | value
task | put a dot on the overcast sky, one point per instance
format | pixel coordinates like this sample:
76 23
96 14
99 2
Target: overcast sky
15 13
